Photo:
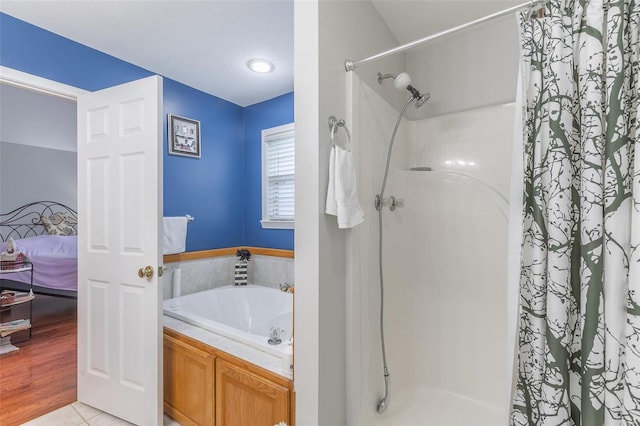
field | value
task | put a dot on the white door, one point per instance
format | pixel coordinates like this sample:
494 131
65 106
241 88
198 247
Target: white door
119 211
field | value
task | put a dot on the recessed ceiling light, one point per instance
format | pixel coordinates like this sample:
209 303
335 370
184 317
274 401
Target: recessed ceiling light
260 65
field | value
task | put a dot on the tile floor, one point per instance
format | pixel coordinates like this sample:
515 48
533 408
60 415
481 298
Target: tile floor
82 414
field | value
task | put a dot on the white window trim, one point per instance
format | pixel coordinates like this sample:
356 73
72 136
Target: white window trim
277 224
266 223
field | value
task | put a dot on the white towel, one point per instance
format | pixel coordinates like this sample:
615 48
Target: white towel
342 191
174 234
331 204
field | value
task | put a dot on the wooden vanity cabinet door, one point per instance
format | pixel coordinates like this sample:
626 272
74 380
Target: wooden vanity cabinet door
247 399
188 383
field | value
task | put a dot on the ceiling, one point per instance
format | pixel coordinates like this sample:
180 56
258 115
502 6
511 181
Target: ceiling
206 44
411 20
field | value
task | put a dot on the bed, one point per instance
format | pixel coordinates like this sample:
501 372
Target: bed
46 232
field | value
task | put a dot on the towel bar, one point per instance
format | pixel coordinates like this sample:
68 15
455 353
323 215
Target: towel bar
334 125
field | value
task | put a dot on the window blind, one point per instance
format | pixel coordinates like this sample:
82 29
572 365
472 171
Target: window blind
279 174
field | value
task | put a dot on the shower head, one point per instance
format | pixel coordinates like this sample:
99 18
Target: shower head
403 81
422 99
400 81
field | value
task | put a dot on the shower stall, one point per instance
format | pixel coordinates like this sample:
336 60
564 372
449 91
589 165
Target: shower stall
445 265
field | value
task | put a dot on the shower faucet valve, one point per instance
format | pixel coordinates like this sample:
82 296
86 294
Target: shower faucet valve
396 202
391 202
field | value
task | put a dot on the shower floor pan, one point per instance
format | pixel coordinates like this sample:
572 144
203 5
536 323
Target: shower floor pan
424 406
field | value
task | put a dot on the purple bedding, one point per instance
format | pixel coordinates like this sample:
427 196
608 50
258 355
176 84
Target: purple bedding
54 258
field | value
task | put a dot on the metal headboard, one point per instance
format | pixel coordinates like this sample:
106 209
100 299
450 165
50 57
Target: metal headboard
24 221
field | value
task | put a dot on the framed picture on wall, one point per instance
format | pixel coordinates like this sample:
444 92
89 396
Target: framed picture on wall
184 136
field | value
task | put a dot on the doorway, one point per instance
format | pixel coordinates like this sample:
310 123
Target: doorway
127 108
38 162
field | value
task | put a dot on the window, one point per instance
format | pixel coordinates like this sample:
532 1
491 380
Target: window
278 179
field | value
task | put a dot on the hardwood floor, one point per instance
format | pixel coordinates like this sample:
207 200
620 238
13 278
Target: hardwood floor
41 376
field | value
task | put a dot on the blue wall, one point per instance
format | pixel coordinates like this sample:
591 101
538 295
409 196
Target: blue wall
264 115
31 49
209 188
212 188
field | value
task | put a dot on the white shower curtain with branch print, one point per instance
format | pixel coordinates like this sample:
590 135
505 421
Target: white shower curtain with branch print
579 326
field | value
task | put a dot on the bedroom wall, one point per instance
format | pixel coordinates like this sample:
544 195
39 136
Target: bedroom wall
212 188
36 131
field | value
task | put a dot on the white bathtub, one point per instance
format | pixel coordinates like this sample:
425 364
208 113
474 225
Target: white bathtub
242 313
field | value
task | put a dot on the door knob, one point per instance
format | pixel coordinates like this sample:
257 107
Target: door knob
145 272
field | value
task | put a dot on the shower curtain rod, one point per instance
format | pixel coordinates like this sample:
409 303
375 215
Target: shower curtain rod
351 65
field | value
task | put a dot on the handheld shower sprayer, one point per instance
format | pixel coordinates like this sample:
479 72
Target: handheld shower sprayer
403 81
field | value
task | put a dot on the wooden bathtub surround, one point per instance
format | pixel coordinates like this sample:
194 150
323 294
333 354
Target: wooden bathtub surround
271 252
189 388
246 398
206 386
231 251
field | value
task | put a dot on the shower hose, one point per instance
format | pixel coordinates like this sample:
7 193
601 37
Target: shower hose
384 402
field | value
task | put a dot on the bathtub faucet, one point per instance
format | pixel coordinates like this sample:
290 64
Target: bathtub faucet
274 335
287 288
